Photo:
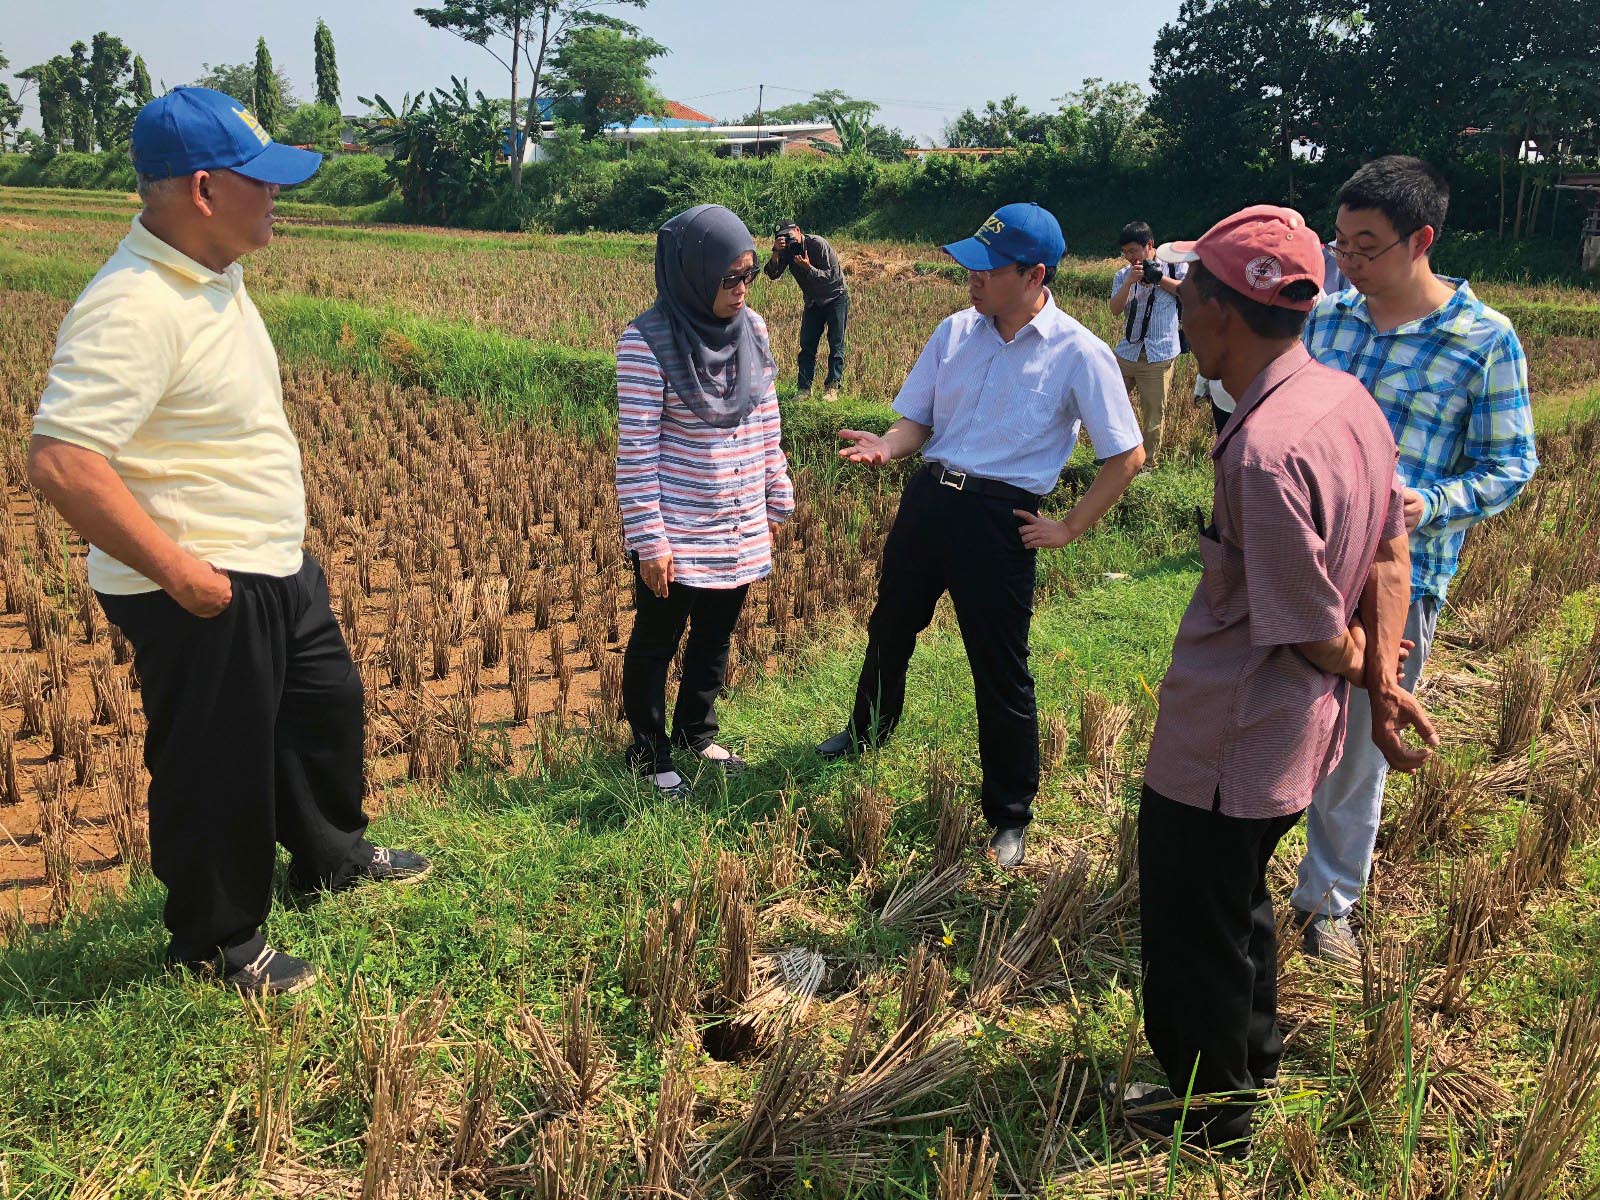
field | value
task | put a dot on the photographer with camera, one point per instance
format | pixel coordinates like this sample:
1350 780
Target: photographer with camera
815 267
1145 294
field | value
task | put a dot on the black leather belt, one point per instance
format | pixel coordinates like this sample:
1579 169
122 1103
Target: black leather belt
961 481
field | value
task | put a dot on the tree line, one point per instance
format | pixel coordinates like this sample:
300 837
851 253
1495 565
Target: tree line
1270 93
89 96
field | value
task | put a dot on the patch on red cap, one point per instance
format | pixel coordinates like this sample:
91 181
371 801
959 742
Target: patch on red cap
1264 272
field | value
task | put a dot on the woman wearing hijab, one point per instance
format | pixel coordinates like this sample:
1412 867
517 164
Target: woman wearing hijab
701 480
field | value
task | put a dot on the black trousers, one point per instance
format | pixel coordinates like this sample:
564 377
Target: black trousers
1210 951
255 738
833 316
658 624
969 545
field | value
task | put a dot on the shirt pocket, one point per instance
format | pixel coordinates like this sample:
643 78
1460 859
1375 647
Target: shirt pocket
1027 414
1222 579
1427 415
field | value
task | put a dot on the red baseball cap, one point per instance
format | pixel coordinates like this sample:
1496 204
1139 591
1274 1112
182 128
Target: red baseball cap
1257 252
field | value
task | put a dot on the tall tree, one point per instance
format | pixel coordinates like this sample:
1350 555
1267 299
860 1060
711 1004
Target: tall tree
603 77
327 66
1008 123
143 93
10 108
109 93
1110 124
268 105
239 81
50 79
516 32
1233 81
75 87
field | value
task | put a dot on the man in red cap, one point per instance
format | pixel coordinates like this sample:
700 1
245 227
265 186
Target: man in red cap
1302 596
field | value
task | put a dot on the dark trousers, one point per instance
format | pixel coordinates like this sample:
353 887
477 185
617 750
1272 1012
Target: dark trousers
1218 417
832 316
255 738
1210 952
658 623
969 545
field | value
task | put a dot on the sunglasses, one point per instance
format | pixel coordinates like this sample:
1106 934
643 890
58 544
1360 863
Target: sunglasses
729 282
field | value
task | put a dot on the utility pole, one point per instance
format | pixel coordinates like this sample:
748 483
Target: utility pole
761 96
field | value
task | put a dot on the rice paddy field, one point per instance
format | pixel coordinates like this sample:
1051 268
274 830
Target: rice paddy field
803 981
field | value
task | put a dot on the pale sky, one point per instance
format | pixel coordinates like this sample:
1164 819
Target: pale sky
924 62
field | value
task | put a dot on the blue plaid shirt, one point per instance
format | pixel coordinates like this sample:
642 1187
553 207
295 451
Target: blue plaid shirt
1454 386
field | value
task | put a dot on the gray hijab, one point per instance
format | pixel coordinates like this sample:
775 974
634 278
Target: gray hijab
717 367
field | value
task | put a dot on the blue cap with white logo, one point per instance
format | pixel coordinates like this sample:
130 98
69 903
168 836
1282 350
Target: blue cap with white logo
196 129
1017 233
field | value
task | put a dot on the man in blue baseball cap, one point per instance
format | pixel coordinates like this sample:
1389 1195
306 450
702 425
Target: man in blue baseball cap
994 403
161 438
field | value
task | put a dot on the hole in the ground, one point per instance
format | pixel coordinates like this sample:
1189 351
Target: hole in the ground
729 1041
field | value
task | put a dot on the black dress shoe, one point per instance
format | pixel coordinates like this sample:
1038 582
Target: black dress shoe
1006 847
841 745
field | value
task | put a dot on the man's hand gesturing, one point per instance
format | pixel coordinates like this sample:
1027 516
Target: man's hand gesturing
865 448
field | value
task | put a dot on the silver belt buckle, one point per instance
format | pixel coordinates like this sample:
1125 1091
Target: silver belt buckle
946 475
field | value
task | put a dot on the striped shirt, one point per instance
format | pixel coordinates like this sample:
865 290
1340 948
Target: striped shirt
1160 341
703 494
1012 410
1454 386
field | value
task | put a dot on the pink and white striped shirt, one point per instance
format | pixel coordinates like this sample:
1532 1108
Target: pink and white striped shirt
703 493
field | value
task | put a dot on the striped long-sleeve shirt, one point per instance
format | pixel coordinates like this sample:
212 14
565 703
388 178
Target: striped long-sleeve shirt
704 494
1454 386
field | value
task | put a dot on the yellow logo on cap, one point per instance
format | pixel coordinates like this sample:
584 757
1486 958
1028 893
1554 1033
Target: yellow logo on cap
255 126
993 225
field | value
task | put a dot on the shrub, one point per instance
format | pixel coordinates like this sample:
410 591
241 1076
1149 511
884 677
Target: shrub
345 179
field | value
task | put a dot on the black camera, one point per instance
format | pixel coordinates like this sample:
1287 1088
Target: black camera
793 247
1152 271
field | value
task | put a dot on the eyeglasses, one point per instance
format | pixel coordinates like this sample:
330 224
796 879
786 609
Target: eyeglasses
729 282
1351 255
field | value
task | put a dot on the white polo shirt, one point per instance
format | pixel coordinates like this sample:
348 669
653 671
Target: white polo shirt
1012 410
164 366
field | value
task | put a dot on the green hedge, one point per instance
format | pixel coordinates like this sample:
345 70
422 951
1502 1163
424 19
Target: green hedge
106 171
345 179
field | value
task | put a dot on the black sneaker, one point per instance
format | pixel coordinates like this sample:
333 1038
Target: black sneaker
394 866
272 973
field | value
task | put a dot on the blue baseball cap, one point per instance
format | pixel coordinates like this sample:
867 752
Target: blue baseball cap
196 129
1017 233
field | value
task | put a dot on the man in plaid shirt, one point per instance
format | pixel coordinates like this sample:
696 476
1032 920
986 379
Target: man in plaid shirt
1450 375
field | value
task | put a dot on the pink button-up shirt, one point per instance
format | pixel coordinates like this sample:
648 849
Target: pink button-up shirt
1305 492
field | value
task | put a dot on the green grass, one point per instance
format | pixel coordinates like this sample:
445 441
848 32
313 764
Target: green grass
534 876
106 1060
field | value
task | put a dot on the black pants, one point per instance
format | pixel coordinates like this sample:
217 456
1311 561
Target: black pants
833 316
255 737
1210 952
710 614
969 545
1219 418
